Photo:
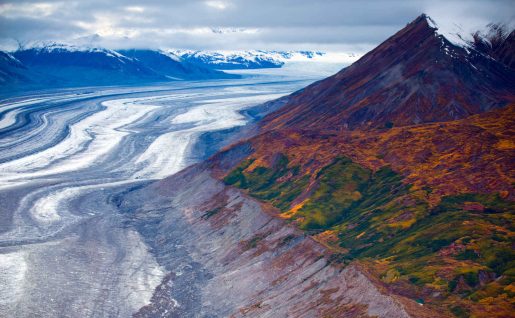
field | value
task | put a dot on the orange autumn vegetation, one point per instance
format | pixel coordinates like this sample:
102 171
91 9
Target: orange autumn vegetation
468 155
442 239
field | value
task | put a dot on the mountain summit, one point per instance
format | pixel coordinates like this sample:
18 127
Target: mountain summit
415 76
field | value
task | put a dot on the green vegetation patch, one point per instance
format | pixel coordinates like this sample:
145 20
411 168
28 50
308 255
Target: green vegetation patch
349 194
262 182
377 216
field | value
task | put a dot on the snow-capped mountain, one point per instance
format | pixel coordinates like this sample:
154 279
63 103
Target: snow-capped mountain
50 64
416 76
496 40
171 66
55 47
68 65
251 59
57 58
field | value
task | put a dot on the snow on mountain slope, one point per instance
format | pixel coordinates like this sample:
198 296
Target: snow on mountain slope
254 59
495 40
454 33
416 76
171 66
55 47
11 70
51 64
68 65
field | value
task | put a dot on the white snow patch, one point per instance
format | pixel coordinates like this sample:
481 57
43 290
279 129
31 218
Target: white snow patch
143 273
275 57
12 277
171 55
455 33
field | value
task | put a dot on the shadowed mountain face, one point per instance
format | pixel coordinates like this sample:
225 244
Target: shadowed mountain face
172 66
75 67
57 65
11 70
416 76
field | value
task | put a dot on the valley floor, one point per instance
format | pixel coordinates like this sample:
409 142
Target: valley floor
66 161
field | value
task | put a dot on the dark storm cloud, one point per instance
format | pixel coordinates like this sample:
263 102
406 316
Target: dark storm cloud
234 24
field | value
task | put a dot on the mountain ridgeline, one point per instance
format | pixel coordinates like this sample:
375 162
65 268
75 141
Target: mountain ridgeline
401 163
49 65
57 65
414 77
255 59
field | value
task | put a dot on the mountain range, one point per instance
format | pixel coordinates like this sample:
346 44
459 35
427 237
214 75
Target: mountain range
227 60
60 65
45 65
401 165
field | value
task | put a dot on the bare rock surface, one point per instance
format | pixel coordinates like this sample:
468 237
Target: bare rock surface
237 260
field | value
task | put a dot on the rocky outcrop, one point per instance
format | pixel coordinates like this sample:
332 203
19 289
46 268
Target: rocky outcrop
239 260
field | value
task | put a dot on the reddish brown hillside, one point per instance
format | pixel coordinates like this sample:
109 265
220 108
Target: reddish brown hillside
404 163
427 208
416 76
475 154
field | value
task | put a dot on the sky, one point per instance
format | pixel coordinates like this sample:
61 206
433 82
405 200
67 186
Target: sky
326 25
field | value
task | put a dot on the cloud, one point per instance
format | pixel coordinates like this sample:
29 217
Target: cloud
348 25
220 5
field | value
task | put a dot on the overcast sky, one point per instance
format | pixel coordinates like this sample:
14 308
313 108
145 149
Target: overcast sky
330 25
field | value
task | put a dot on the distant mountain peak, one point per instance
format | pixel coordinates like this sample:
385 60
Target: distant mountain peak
53 46
53 64
249 59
